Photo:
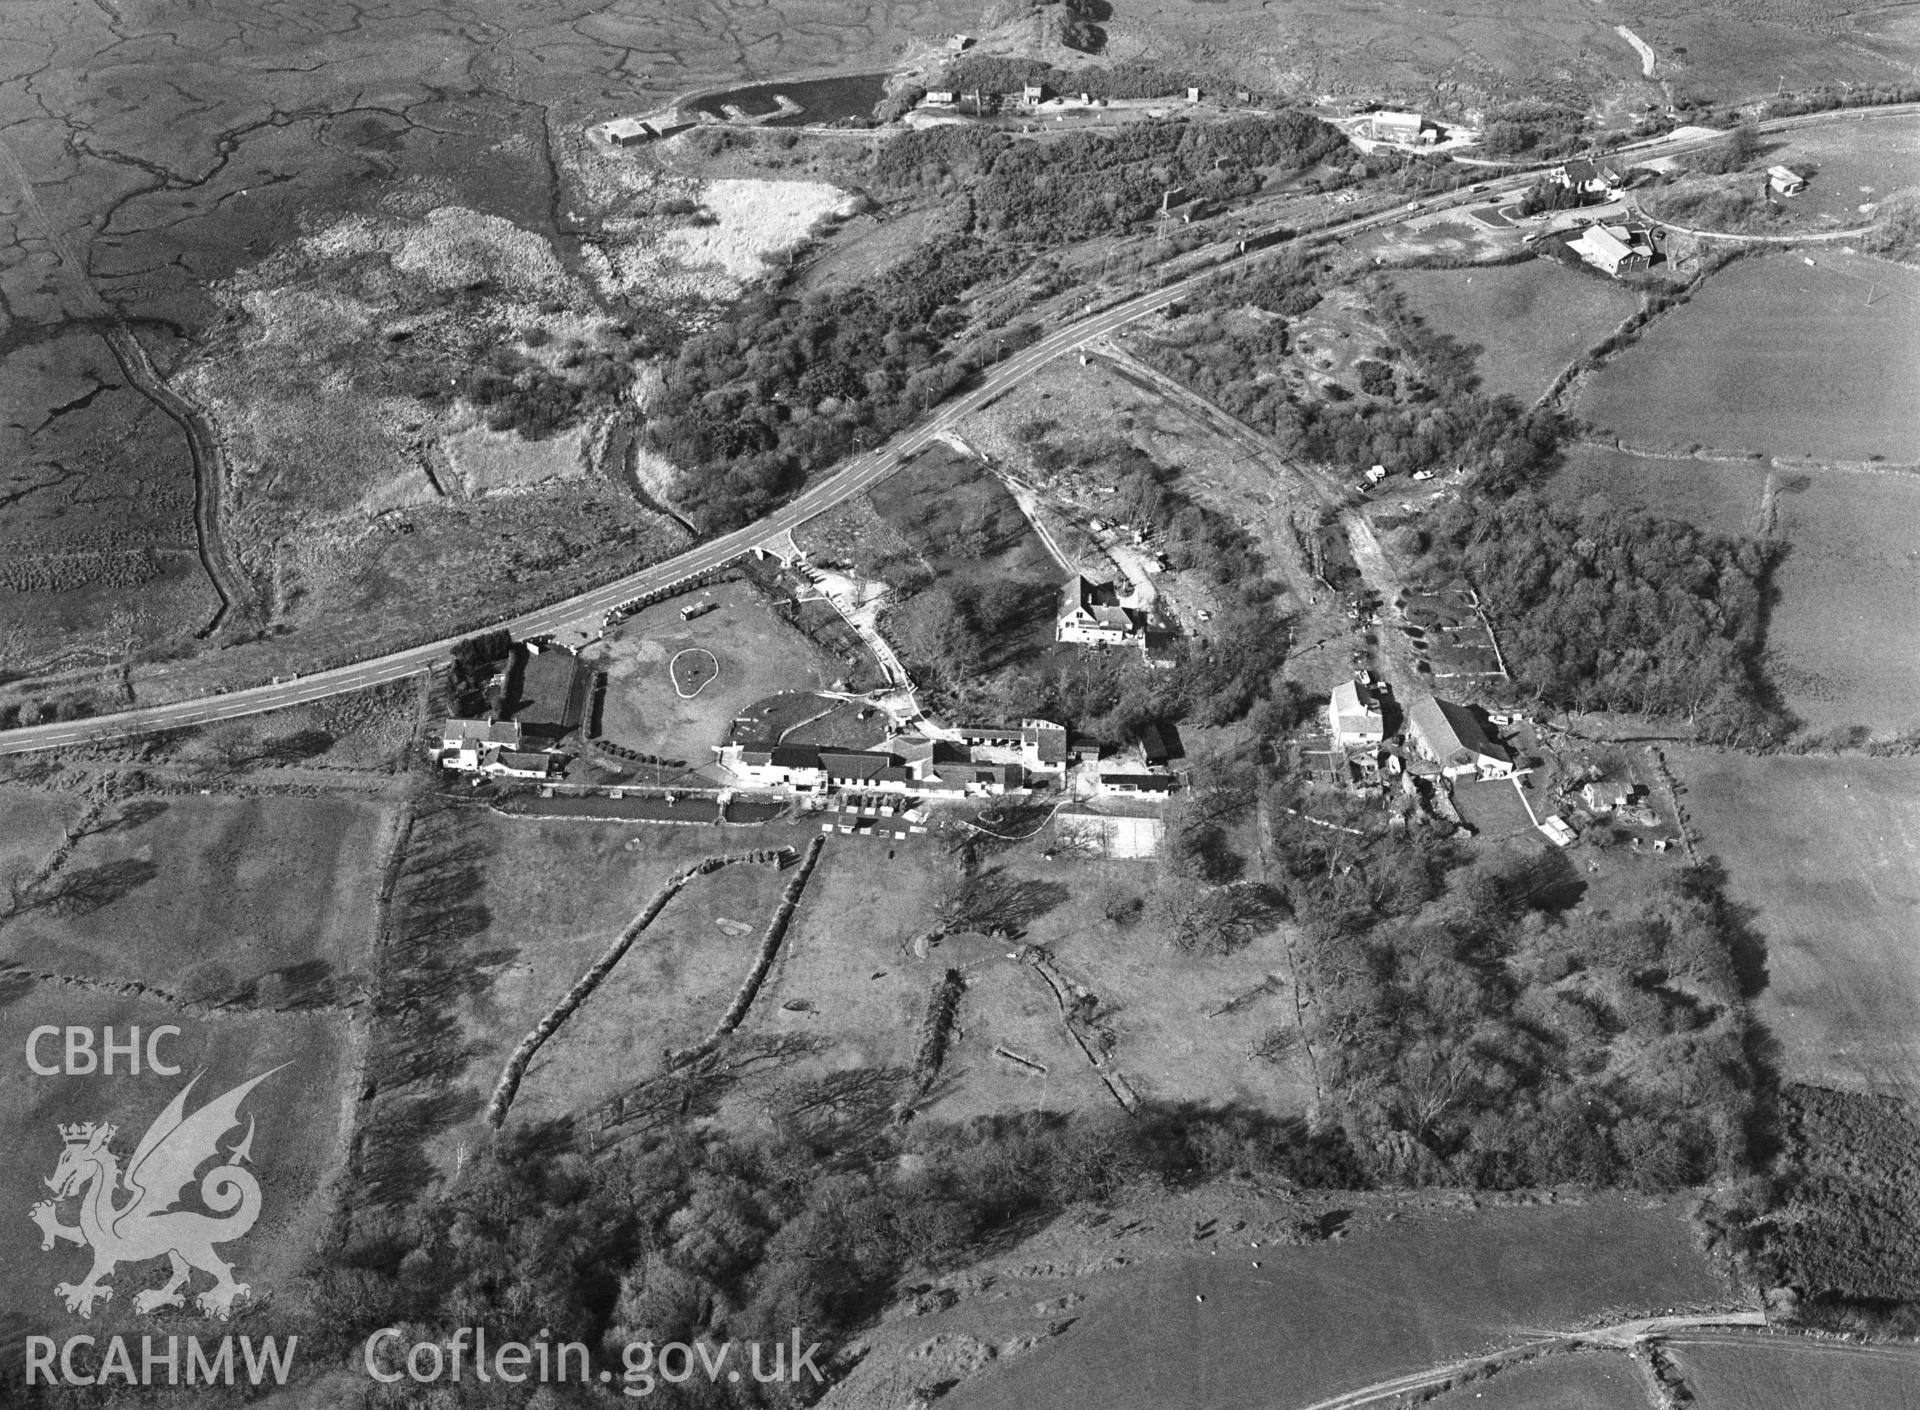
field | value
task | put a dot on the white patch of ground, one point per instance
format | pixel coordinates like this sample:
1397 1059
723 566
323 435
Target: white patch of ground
1641 47
655 474
488 461
452 248
744 222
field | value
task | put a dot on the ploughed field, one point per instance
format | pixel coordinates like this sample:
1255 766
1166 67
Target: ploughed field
1777 356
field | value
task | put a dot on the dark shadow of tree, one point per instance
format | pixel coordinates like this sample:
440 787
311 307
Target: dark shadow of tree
419 1060
83 891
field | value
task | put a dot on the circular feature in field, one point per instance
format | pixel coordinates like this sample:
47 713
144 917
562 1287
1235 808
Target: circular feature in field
692 670
762 654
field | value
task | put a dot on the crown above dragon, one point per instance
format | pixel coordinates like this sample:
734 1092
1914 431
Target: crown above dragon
83 1133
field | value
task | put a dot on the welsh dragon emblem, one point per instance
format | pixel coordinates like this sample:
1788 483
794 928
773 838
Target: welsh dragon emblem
144 1225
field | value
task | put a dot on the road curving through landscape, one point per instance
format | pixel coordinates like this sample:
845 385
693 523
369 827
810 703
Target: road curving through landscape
854 477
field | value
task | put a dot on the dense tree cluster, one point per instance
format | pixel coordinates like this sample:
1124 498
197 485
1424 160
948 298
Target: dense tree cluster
476 660
1546 195
1601 608
1437 420
1475 1036
685 1238
974 590
787 385
1731 154
1217 677
1853 95
1099 183
1534 129
1835 1219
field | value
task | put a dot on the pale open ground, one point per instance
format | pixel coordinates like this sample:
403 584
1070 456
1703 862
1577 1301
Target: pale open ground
543 929
1584 1381
487 460
1827 853
1310 1321
1843 636
1776 355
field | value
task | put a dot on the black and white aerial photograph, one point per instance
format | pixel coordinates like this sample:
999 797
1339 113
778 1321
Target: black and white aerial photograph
960 704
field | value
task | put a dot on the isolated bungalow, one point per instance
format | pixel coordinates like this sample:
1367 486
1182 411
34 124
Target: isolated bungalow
1448 735
1615 249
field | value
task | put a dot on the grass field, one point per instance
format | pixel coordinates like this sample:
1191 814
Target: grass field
529 929
1528 320
1583 1381
756 653
1844 634
1162 1007
1772 355
860 992
213 898
1827 853
1719 495
666 993
1312 1321
35 822
1782 1373
264 901
1849 166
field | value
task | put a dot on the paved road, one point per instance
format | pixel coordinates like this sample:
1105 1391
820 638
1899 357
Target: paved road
850 479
